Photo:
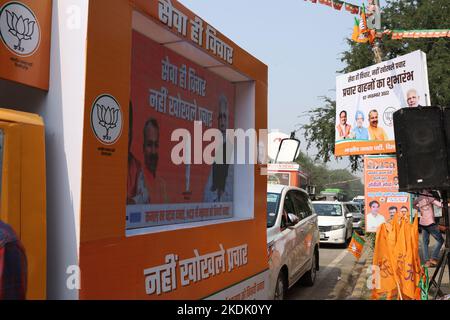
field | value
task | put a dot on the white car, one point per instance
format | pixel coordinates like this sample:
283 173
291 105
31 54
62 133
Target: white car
292 239
335 222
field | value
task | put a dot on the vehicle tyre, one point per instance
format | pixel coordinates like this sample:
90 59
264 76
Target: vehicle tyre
310 277
345 243
281 287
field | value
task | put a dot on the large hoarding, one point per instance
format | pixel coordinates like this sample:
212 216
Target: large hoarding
128 50
170 93
367 99
382 198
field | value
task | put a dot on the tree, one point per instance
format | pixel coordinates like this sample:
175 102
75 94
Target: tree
321 177
411 15
399 14
320 132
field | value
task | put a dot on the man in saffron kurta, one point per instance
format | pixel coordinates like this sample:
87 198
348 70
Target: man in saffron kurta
375 132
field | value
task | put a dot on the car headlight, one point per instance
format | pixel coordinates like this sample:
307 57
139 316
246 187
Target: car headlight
342 226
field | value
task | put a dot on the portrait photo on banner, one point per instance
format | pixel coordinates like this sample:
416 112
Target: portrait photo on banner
367 99
169 93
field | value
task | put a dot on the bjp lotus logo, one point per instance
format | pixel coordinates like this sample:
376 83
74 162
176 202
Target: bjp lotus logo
106 119
19 29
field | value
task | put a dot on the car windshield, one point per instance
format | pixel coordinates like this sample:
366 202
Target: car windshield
273 200
328 210
353 207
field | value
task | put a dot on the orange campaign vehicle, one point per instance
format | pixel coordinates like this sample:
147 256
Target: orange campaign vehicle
284 171
130 214
290 174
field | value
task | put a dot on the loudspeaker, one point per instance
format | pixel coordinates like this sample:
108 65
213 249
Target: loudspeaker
422 137
446 111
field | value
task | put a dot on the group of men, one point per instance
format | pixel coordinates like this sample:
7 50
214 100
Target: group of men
375 218
373 131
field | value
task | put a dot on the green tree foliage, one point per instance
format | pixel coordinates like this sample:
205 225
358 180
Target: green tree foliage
411 15
320 129
321 177
398 14
320 132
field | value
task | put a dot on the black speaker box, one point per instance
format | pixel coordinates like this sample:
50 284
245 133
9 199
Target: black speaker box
422 137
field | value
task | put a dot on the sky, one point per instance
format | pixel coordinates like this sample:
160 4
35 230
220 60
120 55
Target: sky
300 41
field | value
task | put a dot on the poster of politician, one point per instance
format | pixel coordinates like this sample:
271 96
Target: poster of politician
171 95
382 198
367 99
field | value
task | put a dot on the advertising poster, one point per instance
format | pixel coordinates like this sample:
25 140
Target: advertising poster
367 99
169 93
383 200
25 32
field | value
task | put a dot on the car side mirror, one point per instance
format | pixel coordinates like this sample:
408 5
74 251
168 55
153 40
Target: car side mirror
293 219
288 150
349 215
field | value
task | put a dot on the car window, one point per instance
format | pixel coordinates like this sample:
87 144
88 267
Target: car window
288 203
288 207
352 208
303 210
273 200
325 209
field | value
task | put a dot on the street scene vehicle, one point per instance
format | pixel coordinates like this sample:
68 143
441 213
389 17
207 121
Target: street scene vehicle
355 209
335 222
332 194
140 147
292 239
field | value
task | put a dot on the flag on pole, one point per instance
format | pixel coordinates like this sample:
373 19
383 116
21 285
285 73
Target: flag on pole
355 34
361 33
396 255
356 245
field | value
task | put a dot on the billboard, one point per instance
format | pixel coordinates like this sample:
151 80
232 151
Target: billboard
170 93
382 198
367 99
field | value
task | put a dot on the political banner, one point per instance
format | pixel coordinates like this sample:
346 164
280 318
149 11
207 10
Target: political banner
172 97
367 99
382 198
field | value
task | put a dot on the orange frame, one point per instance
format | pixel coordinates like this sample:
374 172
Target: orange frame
112 264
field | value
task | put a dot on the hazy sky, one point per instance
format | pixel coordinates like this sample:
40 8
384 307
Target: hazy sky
300 41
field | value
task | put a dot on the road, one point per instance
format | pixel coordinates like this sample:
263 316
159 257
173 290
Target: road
336 279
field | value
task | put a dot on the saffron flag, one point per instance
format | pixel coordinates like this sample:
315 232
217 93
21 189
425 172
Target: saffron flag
396 255
361 33
355 34
386 284
356 245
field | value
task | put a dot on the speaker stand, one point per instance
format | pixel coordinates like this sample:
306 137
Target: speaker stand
444 261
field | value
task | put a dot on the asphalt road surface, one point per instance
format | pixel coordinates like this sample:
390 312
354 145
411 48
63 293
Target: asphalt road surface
336 278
